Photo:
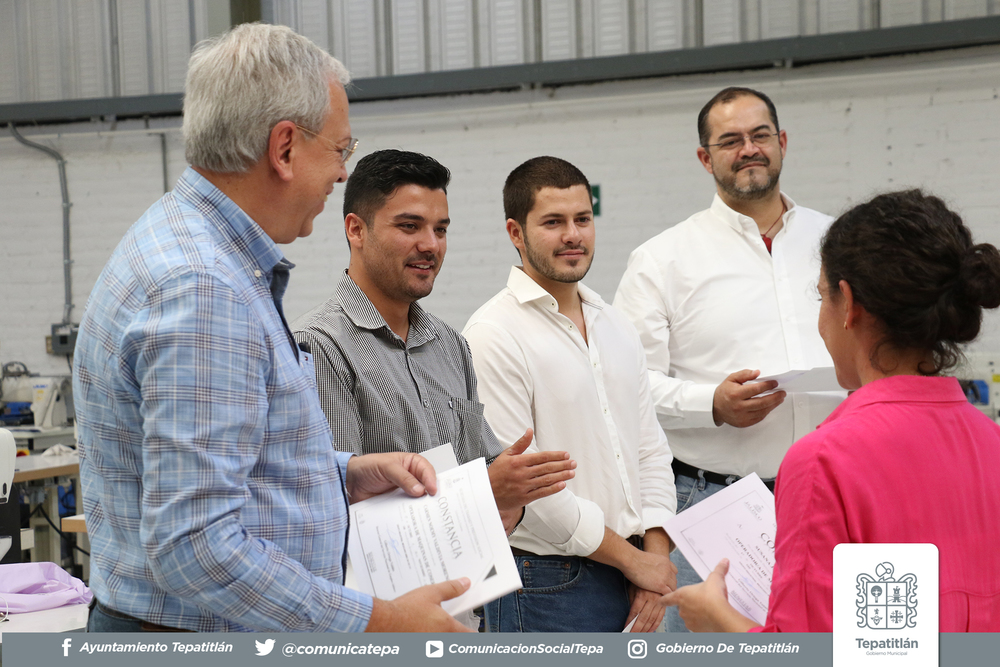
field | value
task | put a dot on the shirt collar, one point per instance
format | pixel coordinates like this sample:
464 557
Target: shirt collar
230 220
362 312
526 290
901 389
741 222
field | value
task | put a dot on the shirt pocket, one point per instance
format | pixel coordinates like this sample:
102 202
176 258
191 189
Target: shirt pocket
469 427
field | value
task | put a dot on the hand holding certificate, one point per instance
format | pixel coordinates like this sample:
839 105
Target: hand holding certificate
737 523
399 543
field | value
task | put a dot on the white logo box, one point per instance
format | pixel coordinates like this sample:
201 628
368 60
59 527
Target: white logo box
885 605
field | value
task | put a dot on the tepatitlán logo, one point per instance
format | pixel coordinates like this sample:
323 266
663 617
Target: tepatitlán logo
887 603
877 616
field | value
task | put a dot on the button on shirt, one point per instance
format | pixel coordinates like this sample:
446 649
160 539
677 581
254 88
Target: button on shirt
383 394
708 300
214 501
535 370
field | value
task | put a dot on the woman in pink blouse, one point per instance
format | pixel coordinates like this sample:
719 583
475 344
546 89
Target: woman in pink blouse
905 458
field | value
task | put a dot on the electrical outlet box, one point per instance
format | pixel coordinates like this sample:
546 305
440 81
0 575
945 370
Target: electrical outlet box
64 338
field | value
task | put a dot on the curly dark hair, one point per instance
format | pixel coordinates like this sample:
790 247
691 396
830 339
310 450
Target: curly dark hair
911 262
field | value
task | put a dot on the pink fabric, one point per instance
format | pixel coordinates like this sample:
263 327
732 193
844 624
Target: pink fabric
37 586
903 459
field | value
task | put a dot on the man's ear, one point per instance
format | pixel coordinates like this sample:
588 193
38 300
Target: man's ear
705 158
783 142
516 234
280 145
355 228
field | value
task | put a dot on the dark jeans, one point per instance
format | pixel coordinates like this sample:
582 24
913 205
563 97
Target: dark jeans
108 620
562 594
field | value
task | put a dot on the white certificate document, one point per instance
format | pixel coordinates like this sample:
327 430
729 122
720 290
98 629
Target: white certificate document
399 543
737 523
821 378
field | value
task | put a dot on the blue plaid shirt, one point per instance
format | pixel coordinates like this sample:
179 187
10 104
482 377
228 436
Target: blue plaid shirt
213 498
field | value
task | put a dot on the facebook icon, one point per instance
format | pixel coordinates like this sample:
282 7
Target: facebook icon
66 644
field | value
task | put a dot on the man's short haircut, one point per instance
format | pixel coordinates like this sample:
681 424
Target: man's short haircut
377 176
725 96
244 82
527 179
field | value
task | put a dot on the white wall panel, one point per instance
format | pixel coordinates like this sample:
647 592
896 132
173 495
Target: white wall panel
86 36
43 45
611 29
664 25
964 9
722 22
559 34
61 49
408 38
9 55
900 12
779 18
355 36
135 58
504 39
170 44
452 34
839 15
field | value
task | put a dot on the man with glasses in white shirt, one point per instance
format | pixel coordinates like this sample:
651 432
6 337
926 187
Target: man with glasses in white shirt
721 297
552 356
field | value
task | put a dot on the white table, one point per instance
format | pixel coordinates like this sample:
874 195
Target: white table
38 439
61 619
45 471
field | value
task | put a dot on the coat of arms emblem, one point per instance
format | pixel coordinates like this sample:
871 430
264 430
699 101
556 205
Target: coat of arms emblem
888 602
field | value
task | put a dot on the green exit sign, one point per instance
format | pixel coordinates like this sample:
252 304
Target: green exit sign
595 198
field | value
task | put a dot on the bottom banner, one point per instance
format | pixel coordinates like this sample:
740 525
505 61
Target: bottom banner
223 650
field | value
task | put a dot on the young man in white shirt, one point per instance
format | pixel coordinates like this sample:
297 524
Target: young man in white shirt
727 295
552 356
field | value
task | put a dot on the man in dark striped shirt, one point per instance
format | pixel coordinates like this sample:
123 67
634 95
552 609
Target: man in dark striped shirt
391 376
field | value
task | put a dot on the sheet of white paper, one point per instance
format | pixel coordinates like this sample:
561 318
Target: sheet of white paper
399 543
822 378
628 628
441 457
737 523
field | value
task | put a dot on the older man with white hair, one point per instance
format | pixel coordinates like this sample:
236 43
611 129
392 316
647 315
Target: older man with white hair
213 498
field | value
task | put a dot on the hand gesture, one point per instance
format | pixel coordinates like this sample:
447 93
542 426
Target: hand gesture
519 478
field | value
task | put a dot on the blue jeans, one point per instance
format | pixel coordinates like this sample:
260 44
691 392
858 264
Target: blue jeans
690 490
562 594
103 621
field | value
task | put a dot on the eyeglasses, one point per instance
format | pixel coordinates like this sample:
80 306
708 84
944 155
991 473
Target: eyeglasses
345 153
734 143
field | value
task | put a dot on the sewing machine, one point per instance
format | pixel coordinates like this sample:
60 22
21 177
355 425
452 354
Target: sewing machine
43 401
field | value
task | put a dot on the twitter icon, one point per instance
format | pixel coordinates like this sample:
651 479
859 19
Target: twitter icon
263 648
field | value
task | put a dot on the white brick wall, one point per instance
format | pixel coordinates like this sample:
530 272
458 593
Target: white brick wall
854 129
